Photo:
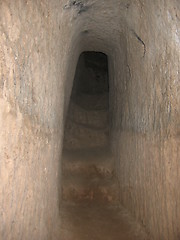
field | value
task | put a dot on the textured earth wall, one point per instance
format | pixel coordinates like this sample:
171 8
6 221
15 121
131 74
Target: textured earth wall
34 49
39 46
145 129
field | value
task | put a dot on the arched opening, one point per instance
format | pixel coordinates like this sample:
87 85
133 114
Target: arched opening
88 174
91 75
90 194
89 103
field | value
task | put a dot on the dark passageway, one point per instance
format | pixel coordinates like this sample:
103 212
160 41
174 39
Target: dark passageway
89 185
89 119
89 104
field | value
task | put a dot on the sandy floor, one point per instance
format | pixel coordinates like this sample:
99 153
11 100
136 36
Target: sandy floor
98 223
90 189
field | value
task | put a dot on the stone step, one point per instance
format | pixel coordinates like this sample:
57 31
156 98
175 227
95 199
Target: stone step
78 136
88 162
94 118
80 190
84 127
93 102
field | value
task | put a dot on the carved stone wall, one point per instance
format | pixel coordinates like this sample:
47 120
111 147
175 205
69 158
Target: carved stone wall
39 47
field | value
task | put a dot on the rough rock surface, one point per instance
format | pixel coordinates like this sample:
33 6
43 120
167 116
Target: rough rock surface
40 42
90 207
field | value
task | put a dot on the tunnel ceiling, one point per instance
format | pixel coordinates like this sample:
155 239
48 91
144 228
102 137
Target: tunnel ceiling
101 25
97 23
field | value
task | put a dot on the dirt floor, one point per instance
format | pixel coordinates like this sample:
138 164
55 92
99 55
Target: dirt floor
91 209
98 223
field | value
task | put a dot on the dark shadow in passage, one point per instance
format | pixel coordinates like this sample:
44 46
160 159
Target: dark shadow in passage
91 78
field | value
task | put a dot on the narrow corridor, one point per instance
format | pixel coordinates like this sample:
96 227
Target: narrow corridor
89 185
89 119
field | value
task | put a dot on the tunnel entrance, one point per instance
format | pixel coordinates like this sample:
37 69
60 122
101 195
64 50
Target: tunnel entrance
88 169
87 118
91 79
89 186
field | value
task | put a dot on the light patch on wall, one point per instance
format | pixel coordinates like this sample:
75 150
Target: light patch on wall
177 37
11 23
11 119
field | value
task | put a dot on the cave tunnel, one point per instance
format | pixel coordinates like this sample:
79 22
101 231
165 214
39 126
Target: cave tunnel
89 119
88 170
90 92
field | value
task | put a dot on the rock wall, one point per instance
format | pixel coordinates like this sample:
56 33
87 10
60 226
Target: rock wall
146 121
39 47
34 49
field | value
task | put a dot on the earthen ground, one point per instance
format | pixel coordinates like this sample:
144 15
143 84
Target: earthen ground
90 188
